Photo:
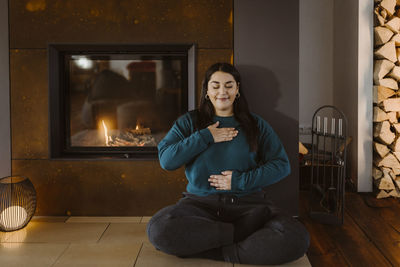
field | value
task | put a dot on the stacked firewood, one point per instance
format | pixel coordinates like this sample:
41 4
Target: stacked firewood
386 95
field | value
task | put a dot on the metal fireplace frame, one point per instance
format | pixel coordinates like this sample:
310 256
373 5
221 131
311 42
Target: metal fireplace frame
58 88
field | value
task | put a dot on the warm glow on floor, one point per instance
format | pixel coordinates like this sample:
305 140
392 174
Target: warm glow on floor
13 217
14 239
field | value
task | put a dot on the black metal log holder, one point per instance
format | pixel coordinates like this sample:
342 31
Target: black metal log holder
328 165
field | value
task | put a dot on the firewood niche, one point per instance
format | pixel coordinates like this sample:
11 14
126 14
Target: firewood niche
386 99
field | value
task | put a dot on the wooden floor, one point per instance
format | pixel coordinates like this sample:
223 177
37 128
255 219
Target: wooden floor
370 235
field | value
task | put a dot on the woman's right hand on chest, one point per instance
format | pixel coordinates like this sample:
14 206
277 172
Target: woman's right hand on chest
222 134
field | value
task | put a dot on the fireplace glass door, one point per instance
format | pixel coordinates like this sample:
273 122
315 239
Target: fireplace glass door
118 103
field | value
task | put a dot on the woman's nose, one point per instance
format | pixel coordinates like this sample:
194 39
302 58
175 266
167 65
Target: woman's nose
222 89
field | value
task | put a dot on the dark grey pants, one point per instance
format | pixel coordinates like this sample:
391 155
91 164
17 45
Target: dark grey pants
247 230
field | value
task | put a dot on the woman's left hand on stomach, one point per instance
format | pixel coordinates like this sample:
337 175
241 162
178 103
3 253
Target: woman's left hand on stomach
222 181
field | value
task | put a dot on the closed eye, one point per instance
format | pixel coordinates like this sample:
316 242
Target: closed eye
229 87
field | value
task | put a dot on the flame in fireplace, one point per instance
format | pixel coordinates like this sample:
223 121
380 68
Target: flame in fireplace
139 125
105 132
138 136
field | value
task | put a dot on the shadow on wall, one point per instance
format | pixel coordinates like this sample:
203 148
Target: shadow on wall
262 90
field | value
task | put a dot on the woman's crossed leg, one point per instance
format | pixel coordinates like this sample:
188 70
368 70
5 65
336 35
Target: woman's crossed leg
187 228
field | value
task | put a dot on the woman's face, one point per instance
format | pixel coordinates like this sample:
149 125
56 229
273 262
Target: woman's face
222 89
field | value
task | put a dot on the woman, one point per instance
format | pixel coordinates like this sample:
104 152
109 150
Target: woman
229 155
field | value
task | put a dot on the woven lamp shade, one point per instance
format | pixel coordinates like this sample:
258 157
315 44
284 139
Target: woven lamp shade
17 202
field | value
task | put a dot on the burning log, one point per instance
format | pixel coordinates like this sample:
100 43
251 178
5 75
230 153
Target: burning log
129 137
140 131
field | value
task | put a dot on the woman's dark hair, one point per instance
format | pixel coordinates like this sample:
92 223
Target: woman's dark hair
241 111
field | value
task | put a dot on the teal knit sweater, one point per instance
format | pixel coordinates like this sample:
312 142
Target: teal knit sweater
203 157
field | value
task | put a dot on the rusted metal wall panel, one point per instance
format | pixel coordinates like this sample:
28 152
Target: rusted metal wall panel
114 187
34 23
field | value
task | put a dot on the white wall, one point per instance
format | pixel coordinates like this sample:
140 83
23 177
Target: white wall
336 64
5 148
353 59
365 85
316 60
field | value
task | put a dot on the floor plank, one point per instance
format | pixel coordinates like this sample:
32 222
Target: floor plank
323 250
387 209
150 257
30 254
58 232
124 233
381 234
302 262
347 240
355 246
99 255
108 219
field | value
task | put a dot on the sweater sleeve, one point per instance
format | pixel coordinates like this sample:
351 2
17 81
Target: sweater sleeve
274 164
180 146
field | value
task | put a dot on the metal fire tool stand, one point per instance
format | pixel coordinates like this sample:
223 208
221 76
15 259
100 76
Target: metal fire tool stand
328 165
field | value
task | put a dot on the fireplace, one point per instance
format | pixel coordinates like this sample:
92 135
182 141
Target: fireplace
117 101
